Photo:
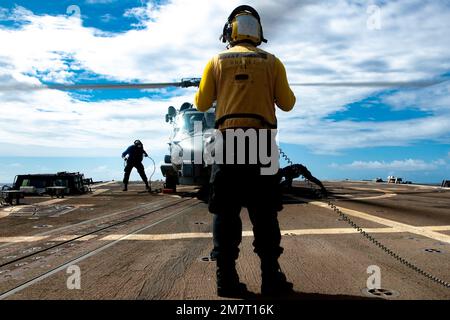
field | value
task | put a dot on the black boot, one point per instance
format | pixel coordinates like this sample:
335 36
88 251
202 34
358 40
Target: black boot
125 187
274 282
228 284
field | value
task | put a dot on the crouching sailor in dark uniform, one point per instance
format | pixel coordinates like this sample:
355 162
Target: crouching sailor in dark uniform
136 154
296 170
246 83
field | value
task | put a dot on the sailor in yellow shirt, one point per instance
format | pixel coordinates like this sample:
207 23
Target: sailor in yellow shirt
246 83
245 80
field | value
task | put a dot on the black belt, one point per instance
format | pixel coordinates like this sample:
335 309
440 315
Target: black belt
222 119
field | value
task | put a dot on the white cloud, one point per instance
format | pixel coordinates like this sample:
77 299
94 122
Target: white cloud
327 137
54 120
107 18
311 38
3 13
397 165
318 41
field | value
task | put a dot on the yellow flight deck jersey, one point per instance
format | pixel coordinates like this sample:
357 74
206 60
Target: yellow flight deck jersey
246 82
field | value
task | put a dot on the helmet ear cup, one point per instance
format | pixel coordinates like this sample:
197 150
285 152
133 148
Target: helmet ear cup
227 31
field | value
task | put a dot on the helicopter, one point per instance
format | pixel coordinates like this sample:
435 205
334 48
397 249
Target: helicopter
179 165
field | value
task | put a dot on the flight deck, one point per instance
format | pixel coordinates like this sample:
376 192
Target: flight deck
110 244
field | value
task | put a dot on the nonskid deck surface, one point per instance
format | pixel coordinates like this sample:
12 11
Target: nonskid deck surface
137 245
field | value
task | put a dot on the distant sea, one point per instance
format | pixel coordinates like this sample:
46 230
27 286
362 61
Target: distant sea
432 184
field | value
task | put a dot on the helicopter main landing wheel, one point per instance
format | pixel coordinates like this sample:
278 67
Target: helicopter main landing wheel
171 184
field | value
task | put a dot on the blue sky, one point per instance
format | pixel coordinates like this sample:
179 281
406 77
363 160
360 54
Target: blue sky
339 133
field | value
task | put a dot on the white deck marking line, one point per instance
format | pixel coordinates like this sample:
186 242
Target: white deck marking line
56 215
87 255
22 239
184 187
70 237
7 211
199 235
297 232
437 228
4 214
403 227
99 191
387 194
103 184
156 237
74 207
46 203
49 233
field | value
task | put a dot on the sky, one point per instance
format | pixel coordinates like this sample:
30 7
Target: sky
338 133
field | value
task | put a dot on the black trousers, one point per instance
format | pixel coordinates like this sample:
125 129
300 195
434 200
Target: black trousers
227 234
233 187
140 169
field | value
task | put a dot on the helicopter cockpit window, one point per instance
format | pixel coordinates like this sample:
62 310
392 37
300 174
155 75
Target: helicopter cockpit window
210 120
191 118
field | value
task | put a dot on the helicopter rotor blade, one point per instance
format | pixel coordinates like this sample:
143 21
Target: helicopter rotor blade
194 82
99 86
381 84
114 86
185 83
